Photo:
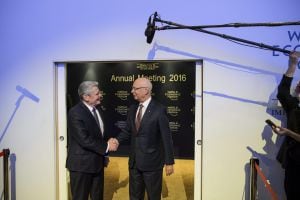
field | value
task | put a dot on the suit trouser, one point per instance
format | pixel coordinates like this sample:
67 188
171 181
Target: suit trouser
139 181
85 184
292 180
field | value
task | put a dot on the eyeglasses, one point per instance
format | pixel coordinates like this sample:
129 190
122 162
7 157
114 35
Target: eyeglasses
137 88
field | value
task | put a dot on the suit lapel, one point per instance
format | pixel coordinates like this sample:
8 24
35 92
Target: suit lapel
133 117
90 115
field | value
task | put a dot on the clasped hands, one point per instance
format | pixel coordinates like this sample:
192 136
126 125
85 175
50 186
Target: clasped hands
113 144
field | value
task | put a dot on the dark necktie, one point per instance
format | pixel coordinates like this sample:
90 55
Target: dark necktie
96 116
139 117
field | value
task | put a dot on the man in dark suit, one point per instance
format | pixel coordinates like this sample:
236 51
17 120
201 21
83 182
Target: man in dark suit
86 146
151 143
289 153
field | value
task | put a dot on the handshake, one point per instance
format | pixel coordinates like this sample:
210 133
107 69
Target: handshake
113 144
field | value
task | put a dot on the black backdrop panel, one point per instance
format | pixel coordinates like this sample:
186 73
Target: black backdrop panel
173 85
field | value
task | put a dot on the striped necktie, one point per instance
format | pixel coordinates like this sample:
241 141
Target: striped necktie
97 120
96 117
139 117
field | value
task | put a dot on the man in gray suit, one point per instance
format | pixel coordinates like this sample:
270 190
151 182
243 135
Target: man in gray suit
87 148
151 147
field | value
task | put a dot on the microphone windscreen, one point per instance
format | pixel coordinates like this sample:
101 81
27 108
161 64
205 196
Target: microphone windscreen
150 29
151 35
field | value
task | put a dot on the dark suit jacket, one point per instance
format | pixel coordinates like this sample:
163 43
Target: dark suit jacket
152 146
290 148
86 147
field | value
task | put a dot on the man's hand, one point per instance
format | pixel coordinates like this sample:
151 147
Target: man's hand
293 58
280 130
293 61
113 144
169 169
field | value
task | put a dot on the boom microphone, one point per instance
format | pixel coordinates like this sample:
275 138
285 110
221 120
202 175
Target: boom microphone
27 93
150 30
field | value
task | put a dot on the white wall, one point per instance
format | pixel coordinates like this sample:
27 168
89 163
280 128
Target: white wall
34 34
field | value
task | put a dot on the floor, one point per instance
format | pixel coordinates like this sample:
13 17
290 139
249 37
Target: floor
178 186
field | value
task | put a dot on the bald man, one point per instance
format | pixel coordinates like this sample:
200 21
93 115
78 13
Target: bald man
151 148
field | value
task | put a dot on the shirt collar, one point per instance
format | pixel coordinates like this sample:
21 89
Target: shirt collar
88 106
146 103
